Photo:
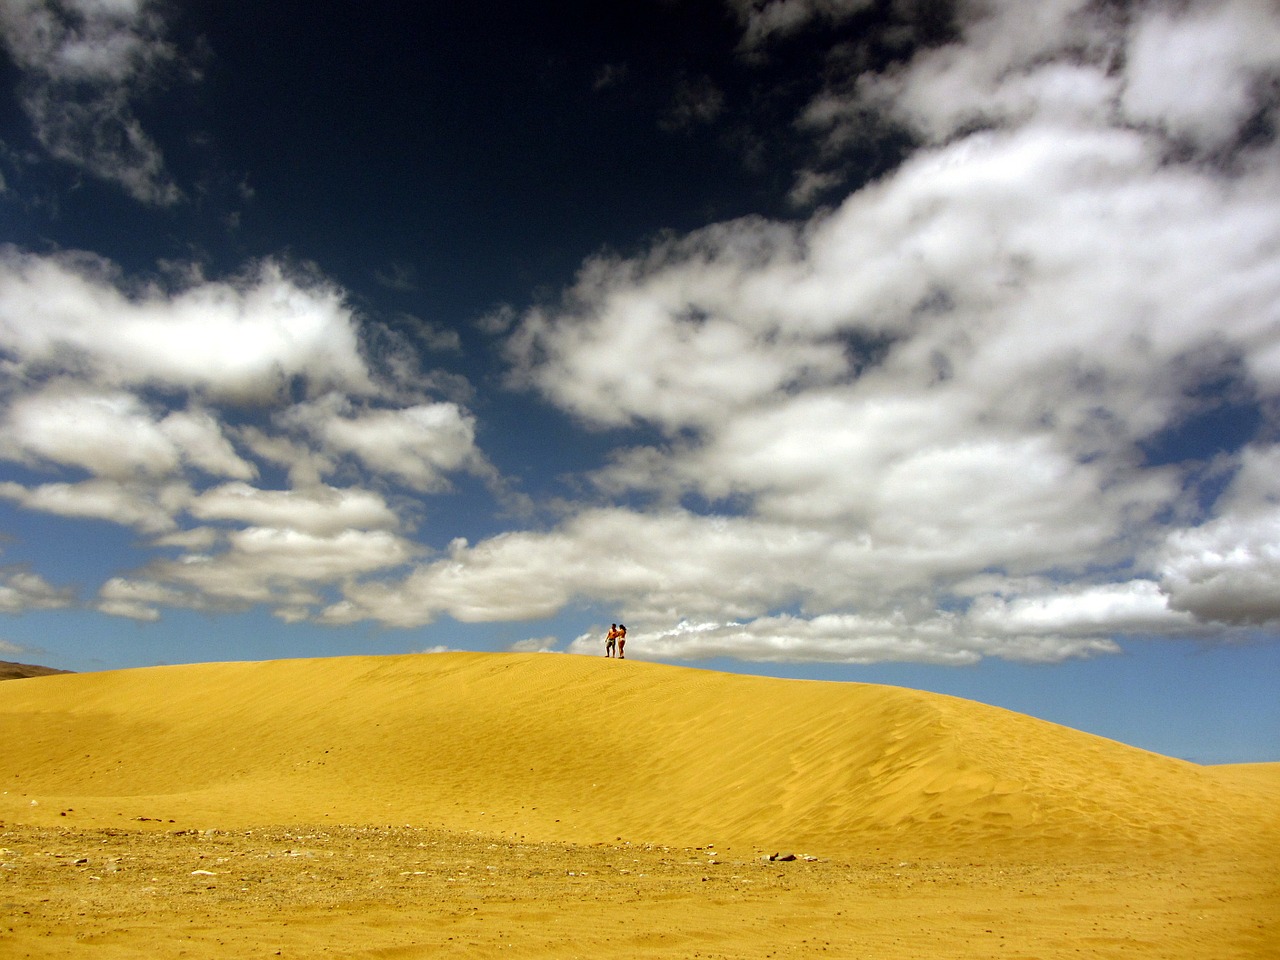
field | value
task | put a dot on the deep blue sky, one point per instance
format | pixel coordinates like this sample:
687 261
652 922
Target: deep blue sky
900 342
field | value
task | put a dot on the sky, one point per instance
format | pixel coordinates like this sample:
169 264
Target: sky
924 342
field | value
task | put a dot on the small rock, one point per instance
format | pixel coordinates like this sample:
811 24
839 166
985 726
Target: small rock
203 873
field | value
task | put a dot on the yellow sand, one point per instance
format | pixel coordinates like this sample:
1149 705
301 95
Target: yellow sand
936 825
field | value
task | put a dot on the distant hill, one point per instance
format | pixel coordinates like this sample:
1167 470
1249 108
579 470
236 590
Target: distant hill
589 749
20 671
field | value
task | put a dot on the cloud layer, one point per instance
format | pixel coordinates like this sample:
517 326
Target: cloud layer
959 413
165 409
927 420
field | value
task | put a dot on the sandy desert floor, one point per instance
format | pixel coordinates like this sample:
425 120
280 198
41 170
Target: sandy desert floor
414 892
289 809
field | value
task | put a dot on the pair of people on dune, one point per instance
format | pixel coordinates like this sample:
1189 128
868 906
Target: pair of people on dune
617 636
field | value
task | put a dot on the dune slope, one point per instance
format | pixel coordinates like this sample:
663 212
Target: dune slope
585 749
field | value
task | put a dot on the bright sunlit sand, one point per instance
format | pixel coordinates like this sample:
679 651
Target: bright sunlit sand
548 805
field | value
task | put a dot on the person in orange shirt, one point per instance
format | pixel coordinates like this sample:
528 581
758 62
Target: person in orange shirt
611 640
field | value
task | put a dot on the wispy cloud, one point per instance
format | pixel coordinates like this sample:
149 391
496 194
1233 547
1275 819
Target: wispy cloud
11 649
535 645
21 590
84 62
768 21
697 101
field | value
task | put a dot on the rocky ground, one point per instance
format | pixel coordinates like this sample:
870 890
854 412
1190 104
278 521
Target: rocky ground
154 890
19 671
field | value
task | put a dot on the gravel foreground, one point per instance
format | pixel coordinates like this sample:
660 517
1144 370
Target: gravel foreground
158 890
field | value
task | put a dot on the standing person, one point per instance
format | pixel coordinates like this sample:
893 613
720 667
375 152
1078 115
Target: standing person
622 641
610 640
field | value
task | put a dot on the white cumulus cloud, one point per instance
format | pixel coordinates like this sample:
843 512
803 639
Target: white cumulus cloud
420 445
242 340
1227 570
147 507
320 511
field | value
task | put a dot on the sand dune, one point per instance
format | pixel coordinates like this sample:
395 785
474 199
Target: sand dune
574 748
389 806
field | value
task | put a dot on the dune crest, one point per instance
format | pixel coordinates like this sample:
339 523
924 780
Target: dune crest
582 749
